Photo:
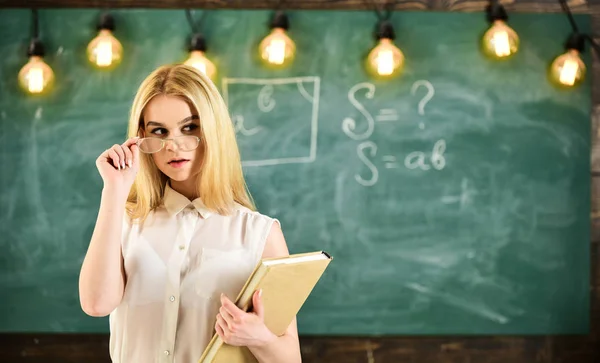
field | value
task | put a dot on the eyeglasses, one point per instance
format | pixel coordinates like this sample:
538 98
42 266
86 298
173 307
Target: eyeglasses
151 145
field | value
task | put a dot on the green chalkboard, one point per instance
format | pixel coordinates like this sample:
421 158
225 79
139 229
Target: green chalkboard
454 199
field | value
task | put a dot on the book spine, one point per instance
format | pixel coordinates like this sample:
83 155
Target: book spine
244 301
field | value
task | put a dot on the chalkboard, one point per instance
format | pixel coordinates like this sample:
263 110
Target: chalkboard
455 199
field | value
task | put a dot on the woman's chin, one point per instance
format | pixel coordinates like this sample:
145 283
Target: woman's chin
180 177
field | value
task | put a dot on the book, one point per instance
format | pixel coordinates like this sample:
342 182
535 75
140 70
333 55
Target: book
286 283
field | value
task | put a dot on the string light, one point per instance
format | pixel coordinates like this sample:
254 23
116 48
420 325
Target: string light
197 58
36 76
277 49
568 70
500 41
105 51
385 60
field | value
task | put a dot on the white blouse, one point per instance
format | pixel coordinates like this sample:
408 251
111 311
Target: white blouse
177 265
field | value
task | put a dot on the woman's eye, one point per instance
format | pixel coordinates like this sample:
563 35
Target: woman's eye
158 131
190 127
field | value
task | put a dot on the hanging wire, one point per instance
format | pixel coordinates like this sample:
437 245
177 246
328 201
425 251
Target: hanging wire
567 11
35 25
188 15
194 26
388 7
565 8
383 12
378 12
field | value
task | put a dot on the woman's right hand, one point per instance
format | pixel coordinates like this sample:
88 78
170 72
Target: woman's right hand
119 165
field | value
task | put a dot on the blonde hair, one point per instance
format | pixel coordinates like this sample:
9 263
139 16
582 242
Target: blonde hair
221 180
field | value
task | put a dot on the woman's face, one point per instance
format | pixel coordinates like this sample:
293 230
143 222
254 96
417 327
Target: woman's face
169 117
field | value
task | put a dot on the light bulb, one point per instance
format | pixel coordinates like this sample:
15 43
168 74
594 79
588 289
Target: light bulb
199 61
277 48
36 76
386 59
568 70
197 58
105 51
500 41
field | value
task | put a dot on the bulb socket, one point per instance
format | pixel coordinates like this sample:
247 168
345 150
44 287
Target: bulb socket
36 48
385 29
107 22
280 20
198 42
495 11
575 41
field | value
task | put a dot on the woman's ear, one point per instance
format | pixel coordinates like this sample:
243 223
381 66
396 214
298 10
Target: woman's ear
141 128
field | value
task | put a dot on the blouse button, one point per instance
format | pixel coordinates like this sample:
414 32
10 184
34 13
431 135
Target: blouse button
172 298
167 352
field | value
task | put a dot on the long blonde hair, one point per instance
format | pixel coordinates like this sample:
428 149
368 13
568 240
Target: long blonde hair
221 180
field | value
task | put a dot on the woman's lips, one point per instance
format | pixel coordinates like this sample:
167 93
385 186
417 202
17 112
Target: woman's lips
178 163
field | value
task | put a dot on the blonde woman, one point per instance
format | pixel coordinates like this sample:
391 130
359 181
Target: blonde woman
177 233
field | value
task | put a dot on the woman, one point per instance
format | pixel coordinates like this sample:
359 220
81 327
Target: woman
177 234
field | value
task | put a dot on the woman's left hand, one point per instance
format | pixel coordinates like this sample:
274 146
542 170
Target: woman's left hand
236 327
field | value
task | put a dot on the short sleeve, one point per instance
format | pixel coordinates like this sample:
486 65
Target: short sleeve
258 230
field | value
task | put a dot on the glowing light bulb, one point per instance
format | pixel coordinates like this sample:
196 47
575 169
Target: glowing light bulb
277 48
199 61
36 76
386 59
500 41
105 51
568 70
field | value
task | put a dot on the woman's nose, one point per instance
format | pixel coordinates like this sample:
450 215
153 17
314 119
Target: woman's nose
171 145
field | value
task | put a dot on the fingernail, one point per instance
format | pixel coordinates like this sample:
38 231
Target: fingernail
123 164
260 293
129 163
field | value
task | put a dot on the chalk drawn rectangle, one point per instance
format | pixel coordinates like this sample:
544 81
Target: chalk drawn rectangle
257 103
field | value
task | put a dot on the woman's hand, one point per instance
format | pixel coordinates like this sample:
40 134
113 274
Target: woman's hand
236 327
118 165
